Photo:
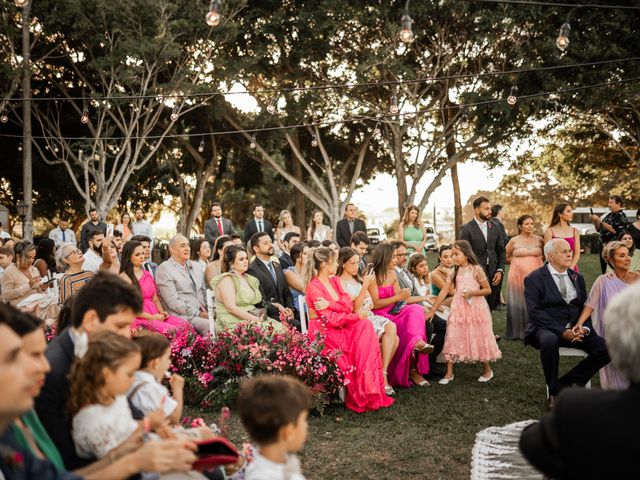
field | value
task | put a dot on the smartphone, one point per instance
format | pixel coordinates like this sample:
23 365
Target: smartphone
591 210
395 310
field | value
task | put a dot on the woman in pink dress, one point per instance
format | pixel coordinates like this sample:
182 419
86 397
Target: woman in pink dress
411 360
560 227
469 336
352 334
153 316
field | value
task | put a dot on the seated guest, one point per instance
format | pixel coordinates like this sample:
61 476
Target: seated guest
357 288
153 314
331 314
22 279
556 444
288 241
62 234
149 265
360 243
215 266
236 239
181 286
604 289
238 294
555 297
70 261
332 245
9 243
93 255
45 258
440 274
274 411
118 242
104 303
32 439
110 257
6 259
419 270
293 274
272 282
201 252
313 243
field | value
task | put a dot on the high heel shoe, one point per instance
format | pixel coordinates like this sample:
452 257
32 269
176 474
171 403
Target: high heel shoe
445 381
420 383
427 348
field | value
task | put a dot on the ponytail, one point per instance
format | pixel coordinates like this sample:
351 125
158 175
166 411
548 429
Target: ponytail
315 257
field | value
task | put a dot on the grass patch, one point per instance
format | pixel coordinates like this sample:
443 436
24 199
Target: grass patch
429 432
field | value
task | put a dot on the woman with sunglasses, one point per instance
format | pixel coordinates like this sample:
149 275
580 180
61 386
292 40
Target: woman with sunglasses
69 260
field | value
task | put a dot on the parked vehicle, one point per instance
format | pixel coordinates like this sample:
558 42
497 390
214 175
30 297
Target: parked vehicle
432 238
376 235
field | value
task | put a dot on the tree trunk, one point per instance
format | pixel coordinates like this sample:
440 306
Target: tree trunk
27 180
299 197
457 204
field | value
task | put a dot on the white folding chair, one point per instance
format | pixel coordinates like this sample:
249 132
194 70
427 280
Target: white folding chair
211 311
302 308
572 352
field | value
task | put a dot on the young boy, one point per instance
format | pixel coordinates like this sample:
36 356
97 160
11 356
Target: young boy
6 259
274 411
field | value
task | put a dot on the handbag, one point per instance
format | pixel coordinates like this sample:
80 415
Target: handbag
213 453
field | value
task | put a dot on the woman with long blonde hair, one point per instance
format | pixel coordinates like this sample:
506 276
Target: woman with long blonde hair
285 225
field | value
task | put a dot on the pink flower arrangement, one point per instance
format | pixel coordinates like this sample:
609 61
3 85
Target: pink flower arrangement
213 369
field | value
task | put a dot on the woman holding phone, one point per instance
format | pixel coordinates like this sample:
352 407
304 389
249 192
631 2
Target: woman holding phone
411 360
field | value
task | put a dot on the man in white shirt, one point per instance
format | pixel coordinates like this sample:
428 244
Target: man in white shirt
3 234
61 234
93 255
141 226
555 296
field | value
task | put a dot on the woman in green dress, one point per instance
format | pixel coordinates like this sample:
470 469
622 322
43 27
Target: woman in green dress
412 231
238 297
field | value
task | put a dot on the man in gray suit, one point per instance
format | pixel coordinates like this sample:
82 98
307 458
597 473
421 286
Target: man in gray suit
216 225
181 285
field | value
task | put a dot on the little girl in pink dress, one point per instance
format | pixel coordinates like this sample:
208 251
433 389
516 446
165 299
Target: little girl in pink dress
469 336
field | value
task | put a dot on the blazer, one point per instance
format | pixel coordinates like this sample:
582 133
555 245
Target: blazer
250 228
491 253
343 233
211 229
503 231
285 260
279 292
610 418
177 292
545 305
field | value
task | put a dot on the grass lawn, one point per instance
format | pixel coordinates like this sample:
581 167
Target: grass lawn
429 432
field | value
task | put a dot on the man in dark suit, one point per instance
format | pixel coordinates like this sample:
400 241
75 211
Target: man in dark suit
273 285
257 225
497 216
289 240
348 226
488 246
556 444
360 243
104 303
217 226
555 296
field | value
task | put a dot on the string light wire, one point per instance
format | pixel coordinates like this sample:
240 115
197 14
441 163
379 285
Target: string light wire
564 5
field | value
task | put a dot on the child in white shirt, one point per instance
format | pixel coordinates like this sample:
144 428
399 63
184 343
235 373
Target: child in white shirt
274 411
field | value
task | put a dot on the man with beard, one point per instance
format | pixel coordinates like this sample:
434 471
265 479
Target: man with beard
488 246
273 285
93 255
94 223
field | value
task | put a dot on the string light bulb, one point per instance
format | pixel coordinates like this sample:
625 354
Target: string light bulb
21 3
314 141
252 145
512 98
393 108
20 147
201 146
271 108
4 116
85 115
464 123
214 15
562 42
406 33
174 114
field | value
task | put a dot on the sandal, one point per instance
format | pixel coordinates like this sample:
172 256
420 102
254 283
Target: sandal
389 391
421 383
427 348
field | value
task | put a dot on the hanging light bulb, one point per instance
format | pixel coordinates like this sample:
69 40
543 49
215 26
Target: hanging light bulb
4 116
271 108
406 34
21 3
85 115
464 123
214 14
512 99
20 147
201 146
314 141
252 145
56 149
562 42
393 108
174 114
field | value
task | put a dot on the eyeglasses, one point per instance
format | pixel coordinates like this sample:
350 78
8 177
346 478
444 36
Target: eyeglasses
402 254
76 251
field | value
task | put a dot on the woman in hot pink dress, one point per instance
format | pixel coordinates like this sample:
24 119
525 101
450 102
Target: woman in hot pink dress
153 315
352 334
469 336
